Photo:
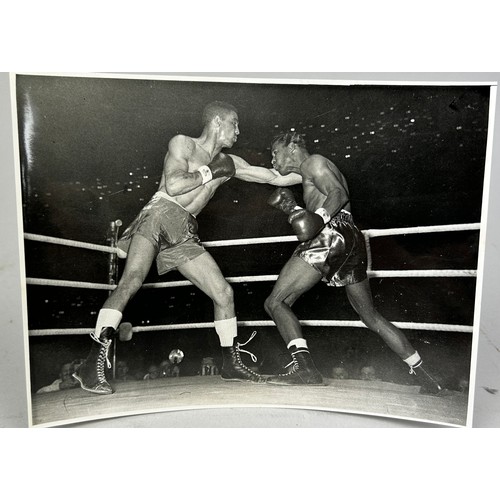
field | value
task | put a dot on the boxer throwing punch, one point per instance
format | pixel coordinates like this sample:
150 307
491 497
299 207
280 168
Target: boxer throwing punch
332 249
166 230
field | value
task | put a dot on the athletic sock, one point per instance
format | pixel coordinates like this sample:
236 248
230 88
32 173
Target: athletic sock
413 360
227 330
297 344
107 318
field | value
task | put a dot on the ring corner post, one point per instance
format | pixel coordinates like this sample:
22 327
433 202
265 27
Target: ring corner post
114 228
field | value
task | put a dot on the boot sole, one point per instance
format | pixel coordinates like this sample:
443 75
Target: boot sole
263 381
277 382
89 389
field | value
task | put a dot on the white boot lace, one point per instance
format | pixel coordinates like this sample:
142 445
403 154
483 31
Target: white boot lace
103 356
294 362
253 357
412 368
293 370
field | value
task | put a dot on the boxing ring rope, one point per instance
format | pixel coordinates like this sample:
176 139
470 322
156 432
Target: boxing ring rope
439 273
373 233
73 243
311 322
370 233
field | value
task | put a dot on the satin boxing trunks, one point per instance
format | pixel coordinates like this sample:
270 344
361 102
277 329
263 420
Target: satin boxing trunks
338 252
170 228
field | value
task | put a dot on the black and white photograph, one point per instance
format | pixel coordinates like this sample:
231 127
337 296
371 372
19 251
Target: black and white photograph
194 243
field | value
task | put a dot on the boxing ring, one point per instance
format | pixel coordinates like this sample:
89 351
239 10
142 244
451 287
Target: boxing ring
386 399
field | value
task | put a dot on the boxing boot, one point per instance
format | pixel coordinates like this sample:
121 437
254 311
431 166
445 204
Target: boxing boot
233 367
429 384
90 373
303 370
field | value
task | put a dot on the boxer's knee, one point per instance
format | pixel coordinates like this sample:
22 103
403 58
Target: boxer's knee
371 318
269 305
224 295
365 314
272 303
364 308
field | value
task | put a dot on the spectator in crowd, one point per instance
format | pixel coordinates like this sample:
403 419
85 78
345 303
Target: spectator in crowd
153 373
463 385
208 367
339 373
368 373
65 380
165 368
175 371
122 371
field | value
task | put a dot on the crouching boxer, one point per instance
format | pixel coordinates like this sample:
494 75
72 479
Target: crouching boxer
332 249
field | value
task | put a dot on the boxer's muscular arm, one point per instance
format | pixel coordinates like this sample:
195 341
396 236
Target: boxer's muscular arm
249 173
178 179
327 182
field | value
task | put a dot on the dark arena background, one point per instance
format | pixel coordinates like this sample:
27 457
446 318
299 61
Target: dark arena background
92 150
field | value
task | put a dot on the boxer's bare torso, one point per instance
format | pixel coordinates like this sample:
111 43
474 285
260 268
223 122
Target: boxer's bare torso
320 177
195 156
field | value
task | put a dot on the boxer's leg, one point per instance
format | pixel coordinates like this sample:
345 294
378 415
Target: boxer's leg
296 278
360 297
141 255
205 274
91 373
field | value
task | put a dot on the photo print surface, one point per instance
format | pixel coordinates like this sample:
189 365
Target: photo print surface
312 245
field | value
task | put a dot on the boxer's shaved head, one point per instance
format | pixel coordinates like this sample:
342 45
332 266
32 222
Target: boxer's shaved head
216 108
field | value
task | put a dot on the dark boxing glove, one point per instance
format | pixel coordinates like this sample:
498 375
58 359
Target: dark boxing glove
221 166
283 199
306 224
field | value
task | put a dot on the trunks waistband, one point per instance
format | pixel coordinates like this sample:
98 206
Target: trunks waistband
161 194
342 215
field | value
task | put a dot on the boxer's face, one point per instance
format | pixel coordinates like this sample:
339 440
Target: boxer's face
282 160
229 129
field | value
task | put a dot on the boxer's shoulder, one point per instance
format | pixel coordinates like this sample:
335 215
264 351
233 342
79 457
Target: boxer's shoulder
181 144
313 163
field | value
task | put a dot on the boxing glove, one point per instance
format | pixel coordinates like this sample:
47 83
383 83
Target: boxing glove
283 199
221 166
306 225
